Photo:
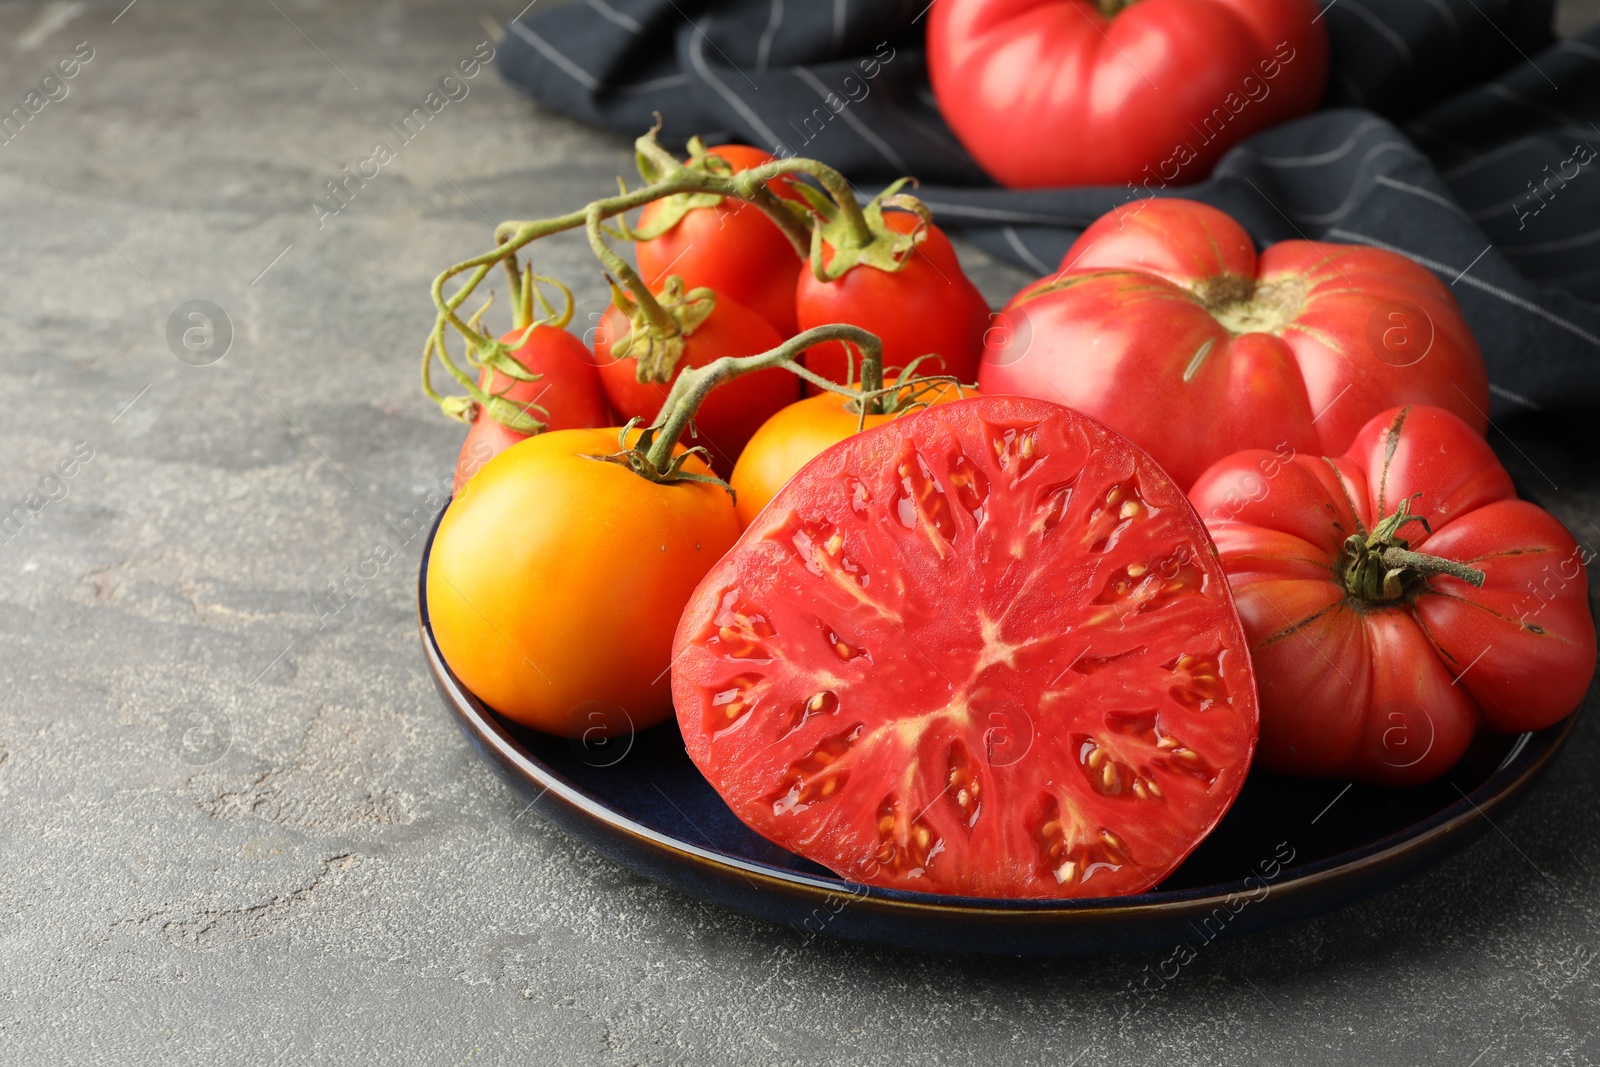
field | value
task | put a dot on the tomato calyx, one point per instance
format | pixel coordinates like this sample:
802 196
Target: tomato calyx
849 236
1380 568
1244 305
907 394
495 355
1112 8
670 210
658 167
636 456
658 324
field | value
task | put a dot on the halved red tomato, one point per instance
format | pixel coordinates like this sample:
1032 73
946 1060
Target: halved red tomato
984 650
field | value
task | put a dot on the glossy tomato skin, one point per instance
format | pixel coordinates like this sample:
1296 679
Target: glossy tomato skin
555 582
734 410
798 434
985 650
568 391
1166 324
1052 92
929 306
733 248
1392 693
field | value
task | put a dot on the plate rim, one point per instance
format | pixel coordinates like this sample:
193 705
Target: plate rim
1529 756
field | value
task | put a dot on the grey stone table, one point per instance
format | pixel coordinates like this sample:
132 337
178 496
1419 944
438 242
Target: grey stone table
236 826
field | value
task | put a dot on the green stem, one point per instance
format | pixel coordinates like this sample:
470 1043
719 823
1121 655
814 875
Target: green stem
514 273
694 384
512 236
662 325
836 184
1427 566
1379 567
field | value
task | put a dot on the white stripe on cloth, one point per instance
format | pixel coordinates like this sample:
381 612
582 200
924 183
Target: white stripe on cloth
1382 28
1426 194
764 46
1542 247
853 120
612 15
697 58
1356 188
1015 241
1471 165
1500 390
1496 89
553 54
1321 157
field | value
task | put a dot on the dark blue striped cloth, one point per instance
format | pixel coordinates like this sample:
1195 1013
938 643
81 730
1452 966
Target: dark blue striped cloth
1458 132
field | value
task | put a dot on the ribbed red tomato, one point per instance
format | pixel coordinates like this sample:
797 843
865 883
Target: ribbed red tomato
928 306
731 247
1166 324
1374 660
986 650
567 391
1103 92
734 410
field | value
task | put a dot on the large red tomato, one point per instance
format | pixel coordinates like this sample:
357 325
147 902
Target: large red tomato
565 396
729 246
1375 661
928 306
986 650
1074 92
1165 324
734 410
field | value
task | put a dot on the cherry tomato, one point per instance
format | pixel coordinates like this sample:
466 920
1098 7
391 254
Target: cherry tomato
732 247
1066 92
1387 682
734 410
928 306
1166 325
984 650
568 391
797 434
556 580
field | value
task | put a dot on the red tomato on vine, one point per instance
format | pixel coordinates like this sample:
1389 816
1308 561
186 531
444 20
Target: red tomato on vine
724 244
906 286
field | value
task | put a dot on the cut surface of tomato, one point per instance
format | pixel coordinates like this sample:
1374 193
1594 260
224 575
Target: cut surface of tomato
984 650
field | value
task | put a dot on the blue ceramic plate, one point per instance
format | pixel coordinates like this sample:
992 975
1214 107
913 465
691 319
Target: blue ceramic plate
1288 849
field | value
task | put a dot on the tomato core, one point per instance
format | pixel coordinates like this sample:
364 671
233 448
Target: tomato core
1244 305
1381 569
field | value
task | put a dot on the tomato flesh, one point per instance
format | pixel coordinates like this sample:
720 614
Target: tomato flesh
983 650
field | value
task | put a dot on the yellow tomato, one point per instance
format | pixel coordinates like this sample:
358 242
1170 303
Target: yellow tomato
556 581
797 434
